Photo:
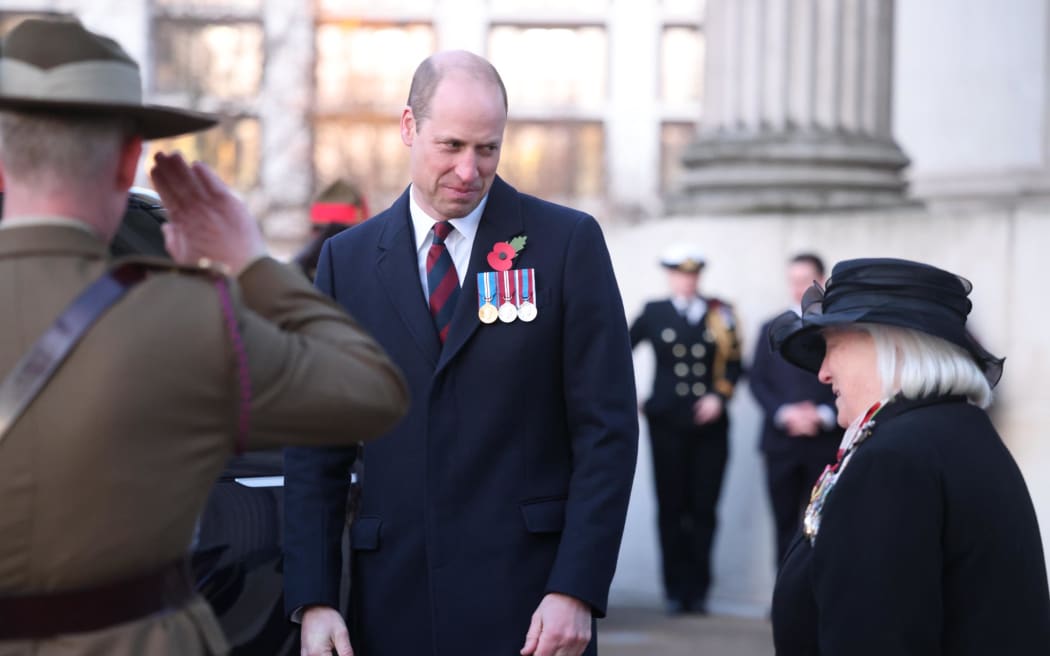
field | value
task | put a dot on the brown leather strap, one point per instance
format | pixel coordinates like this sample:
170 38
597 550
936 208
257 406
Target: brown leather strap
37 366
92 609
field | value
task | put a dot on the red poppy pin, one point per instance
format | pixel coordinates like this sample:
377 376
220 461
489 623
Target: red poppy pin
503 253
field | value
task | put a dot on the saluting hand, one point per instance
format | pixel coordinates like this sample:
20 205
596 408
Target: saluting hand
561 626
324 631
206 221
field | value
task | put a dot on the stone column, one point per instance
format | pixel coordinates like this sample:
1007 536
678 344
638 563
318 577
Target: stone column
285 107
797 114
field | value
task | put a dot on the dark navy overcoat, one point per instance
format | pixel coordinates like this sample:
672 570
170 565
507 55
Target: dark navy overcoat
510 476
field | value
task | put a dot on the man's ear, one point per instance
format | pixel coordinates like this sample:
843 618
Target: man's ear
128 164
408 126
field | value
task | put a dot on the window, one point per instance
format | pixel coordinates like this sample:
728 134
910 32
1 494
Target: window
368 67
681 65
329 7
208 55
369 152
222 62
520 6
553 69
674 137
556 160
213 6
232 148
363 72
556 80
686 7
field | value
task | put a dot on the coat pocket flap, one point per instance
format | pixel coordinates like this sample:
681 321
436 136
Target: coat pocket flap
364 533
544 516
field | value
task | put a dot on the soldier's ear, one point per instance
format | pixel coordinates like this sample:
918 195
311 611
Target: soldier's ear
127 165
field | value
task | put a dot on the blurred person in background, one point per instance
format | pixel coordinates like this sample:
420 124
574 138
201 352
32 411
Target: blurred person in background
800 433
339 206
129 383
697 352
921 538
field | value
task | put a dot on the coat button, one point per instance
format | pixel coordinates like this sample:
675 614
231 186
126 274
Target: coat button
699 350
699 369
682 389
668 335
681 370
699 389
678 350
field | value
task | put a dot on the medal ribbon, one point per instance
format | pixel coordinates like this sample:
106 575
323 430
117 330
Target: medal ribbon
506 294
856 434
525 285
486 287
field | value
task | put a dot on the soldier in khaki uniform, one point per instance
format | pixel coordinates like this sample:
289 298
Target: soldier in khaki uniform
103 475
697 353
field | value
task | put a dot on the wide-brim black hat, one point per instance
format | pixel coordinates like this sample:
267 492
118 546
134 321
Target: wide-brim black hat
884 291
56 66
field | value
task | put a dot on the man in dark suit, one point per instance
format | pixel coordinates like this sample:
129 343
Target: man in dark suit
799 434
697 365
491 519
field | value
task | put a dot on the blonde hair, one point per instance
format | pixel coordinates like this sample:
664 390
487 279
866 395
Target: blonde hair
920 365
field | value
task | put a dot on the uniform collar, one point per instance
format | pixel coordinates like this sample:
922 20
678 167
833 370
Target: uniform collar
45 220
39 235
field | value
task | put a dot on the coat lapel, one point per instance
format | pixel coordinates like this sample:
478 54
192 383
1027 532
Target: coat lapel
399 274
501 221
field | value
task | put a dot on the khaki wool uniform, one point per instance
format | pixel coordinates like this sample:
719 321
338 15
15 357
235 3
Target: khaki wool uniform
103 477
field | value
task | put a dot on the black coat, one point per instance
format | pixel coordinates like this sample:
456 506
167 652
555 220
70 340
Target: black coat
509 477
928 545
775 382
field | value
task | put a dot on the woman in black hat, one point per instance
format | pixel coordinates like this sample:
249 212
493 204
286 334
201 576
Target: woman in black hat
921 538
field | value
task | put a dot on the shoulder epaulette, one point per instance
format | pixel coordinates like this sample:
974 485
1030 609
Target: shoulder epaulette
724 310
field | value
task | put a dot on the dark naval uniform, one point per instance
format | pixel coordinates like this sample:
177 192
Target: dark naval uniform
692 360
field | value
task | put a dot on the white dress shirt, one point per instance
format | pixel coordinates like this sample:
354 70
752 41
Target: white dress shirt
691 308
459 243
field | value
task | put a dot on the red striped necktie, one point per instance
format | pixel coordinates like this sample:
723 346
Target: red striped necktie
442 279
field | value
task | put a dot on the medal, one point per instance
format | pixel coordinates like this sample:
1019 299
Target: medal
857 433
487 311
527 287
508 312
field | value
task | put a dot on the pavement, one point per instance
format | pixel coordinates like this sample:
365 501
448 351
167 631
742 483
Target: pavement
650 632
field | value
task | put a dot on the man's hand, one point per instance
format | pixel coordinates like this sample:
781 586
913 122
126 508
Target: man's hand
561 626
801 419
707 409
323 631
205 219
